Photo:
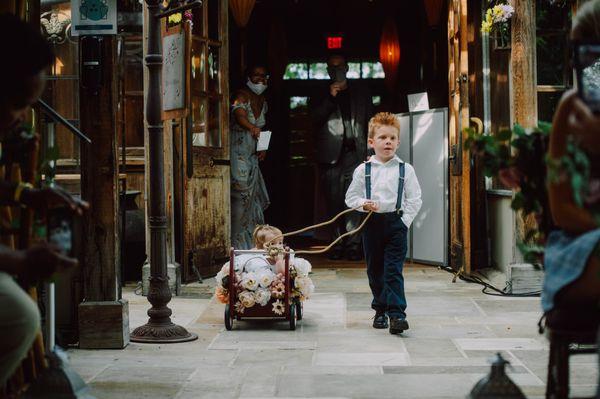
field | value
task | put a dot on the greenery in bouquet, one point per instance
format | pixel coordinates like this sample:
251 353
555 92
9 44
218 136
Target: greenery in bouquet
518 158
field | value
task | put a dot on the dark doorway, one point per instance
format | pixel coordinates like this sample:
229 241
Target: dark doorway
286 33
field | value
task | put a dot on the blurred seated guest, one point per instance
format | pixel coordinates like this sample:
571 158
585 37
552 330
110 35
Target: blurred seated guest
22 82
572 257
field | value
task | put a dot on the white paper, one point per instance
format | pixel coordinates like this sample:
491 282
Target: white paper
263 141
199 139
418 102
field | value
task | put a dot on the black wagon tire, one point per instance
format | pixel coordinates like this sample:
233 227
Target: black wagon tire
299 310
292 317
228 318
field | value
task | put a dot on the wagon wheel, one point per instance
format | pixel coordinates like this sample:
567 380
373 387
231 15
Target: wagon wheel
292 317
298 310
228 319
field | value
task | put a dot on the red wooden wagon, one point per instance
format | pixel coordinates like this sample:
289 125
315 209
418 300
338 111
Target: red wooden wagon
292 307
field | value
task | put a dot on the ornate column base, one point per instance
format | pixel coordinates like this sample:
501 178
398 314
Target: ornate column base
160 328
151 333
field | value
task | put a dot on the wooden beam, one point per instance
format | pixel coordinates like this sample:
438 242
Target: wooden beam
99 186
523 64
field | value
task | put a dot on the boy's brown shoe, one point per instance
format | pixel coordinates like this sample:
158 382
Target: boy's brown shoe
380 320
397 325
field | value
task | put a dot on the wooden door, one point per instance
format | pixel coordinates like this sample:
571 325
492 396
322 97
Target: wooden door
458 72
204 207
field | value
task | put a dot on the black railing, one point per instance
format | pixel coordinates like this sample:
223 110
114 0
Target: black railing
51 112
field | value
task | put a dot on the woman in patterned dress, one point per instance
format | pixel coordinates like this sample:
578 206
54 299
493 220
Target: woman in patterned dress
249 197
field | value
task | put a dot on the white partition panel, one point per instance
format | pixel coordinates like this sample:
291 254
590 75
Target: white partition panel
403 152
423 143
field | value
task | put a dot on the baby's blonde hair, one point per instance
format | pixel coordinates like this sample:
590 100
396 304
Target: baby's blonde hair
383 119
260 233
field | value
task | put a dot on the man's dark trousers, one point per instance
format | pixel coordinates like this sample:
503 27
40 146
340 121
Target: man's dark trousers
385 246
336 179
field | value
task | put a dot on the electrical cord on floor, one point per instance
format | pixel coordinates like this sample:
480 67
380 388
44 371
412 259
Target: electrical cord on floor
487 287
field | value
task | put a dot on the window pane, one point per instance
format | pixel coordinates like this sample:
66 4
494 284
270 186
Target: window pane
213 19
552 59
298 102
198 121
547 102
213 69
296 71
353 70
214 123
318 71
372 70
552 17
198 62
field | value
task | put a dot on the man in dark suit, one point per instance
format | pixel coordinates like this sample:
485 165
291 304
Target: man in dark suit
341 119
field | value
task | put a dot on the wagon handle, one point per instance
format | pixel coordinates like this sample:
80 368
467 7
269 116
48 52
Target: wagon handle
286 297
231 282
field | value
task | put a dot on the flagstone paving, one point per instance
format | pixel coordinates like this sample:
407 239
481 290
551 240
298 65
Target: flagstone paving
335 353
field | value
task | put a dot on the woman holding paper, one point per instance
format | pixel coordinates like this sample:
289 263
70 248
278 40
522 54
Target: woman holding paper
249 197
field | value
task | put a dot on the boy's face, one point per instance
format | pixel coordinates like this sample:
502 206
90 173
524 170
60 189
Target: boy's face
385 142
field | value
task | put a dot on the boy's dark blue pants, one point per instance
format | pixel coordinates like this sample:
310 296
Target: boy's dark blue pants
385 245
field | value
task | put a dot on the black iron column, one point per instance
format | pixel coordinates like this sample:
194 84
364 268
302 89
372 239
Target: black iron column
160 328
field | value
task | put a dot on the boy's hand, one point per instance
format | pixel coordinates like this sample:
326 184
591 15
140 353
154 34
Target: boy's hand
371 206
261 155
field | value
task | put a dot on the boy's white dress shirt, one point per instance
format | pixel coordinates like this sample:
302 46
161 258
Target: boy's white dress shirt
384 188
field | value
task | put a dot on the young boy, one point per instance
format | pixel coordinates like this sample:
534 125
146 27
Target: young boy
389 187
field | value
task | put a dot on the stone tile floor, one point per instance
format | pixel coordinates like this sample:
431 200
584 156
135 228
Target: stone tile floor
335 353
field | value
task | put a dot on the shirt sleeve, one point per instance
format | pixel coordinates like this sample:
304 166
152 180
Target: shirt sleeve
356 194
412 196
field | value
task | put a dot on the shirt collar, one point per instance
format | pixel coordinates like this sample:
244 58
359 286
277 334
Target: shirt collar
396 160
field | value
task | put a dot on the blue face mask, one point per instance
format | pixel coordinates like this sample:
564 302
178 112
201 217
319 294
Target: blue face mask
257 88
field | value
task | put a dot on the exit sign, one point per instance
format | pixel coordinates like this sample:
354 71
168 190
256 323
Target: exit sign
334 42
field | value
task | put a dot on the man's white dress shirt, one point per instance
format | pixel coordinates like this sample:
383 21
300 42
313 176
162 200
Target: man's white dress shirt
384 188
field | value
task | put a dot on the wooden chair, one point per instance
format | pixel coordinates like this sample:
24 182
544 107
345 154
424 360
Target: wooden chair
571 331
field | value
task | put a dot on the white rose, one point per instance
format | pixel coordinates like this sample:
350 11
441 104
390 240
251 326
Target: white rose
247 299
303 267
262 296
249 281
265 278
305 285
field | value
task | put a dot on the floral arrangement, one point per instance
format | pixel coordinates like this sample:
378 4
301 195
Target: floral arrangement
264 287
518 158
497 21
497 16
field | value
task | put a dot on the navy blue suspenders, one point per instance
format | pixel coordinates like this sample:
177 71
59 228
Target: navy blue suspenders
400 185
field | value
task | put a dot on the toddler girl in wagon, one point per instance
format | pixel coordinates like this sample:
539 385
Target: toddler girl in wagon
260 277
